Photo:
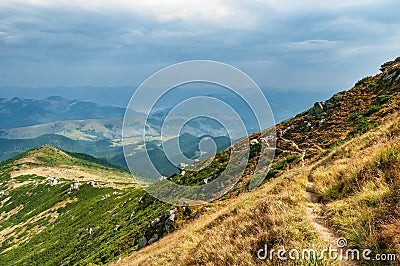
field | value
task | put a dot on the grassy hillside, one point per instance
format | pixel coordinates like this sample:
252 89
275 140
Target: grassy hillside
100 149
358 195
45 223
47 160
336 175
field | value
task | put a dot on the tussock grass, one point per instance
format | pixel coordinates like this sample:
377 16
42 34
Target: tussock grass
360 184
233 233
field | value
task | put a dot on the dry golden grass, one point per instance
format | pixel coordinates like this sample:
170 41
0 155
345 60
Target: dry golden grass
364 210
360 184
234 231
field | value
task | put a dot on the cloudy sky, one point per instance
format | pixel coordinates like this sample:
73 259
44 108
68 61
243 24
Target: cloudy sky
304 45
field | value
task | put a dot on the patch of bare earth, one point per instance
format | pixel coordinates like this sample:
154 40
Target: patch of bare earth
70 173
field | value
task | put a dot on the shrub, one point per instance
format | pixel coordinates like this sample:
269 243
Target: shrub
383 98
388 156
363 81
373 109
363 125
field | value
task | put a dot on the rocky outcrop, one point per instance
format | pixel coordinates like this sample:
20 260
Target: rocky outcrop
158 227
388 64
53 182
320 110
155 222
106 196
153 239
392 76
116 227
75 185
141 201
142 242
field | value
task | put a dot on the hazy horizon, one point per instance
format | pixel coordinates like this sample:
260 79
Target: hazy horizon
311 45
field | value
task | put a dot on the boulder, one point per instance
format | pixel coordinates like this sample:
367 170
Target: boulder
338 96
171 218
316 111
153 239
318 108
105 196
155 222
390 76
170 212
254 141
168 228
141 201
329 105
142 242
75 185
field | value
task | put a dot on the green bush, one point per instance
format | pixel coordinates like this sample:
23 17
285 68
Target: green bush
373 109
362 125
363 81
381 99
388 156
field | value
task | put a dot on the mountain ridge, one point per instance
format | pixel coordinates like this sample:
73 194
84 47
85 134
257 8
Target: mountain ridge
331 137
18 112
50 161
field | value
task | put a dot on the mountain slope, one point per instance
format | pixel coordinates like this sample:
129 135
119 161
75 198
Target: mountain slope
57 221
365 211
340 159
47 160
100 149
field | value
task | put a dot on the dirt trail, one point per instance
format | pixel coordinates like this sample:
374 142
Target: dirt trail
314 209
318 221
313 213
298 150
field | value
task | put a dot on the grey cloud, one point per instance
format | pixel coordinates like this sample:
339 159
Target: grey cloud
104 46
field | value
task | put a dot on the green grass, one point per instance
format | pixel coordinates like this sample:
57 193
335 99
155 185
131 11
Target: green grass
43 240
66 241
361 123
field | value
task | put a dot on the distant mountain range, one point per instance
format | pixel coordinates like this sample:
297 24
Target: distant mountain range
91 128
105 150
285 103
17 112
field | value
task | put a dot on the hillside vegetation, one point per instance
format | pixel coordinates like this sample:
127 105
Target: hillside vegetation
48 160
336 175
47 221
